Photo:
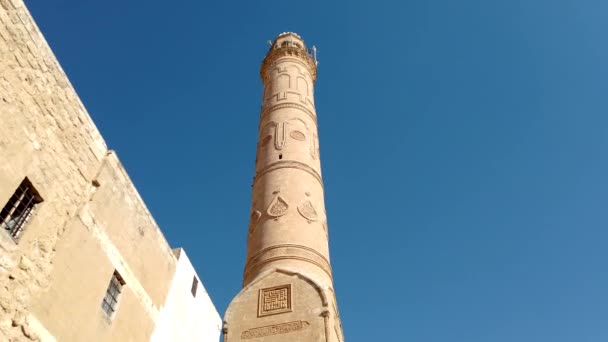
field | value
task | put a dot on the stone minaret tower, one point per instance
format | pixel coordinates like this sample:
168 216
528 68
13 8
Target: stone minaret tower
288 292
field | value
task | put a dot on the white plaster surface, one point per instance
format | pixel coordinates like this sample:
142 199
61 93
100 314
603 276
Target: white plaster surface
185 317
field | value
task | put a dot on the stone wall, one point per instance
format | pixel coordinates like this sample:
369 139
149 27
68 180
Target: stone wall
46 135
92 220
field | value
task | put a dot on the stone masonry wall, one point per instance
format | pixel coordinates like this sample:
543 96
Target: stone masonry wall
47 135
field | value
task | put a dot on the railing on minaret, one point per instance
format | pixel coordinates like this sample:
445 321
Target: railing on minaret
287 281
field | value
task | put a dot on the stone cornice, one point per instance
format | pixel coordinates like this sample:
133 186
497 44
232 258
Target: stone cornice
268 110
300 54
292 164
280 252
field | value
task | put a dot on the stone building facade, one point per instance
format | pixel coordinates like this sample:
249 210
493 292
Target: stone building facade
81 257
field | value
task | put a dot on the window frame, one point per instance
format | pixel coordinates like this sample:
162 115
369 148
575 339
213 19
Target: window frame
194 287
111 298
24 201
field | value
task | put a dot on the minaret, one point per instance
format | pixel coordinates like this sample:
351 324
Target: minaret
288 292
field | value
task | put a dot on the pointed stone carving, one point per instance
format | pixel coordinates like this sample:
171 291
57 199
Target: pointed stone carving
278 207
307 210
254 219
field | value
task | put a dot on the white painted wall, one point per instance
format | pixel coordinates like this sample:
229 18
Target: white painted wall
185 317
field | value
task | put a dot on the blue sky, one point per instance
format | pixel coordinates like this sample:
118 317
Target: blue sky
463 146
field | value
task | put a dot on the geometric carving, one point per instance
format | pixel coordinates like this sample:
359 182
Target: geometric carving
283 82
275 329
302 85
288 164
278 207
307 210
254 219
274 300
268 109
297 135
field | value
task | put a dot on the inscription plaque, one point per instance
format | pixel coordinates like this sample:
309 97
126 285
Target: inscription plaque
275 300
276 329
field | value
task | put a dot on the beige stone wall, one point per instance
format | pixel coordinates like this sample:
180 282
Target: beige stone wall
92 219
112 231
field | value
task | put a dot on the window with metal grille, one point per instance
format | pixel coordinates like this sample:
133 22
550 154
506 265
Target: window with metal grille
194 286
19 209
110 301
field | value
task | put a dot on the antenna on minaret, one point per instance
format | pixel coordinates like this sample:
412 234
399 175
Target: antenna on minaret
269 43
314 54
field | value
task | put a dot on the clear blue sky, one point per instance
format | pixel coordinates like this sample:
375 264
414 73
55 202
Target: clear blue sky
463 143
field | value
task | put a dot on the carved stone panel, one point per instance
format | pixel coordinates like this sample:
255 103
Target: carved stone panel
307 210
274 329
275 300
278 207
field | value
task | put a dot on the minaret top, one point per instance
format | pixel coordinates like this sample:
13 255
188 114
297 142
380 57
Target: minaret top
290 44
288 39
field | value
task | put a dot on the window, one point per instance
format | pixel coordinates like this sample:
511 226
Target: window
110 301
194 286
19 209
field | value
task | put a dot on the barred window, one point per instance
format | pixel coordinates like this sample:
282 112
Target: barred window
110 301
194 286
19 209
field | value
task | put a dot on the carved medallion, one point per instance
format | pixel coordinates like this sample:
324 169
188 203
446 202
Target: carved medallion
297 135
274 300
254 219
307 210
278 207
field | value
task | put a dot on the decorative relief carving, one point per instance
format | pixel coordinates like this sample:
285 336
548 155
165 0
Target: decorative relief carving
290 54
302 85
283 82
283 252
270 109
275 329
254 219
307 210
274 300
279 135
297 135
278 207
314 148
289 164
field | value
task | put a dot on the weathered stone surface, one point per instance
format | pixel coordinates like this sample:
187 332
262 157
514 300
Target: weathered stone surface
91 221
